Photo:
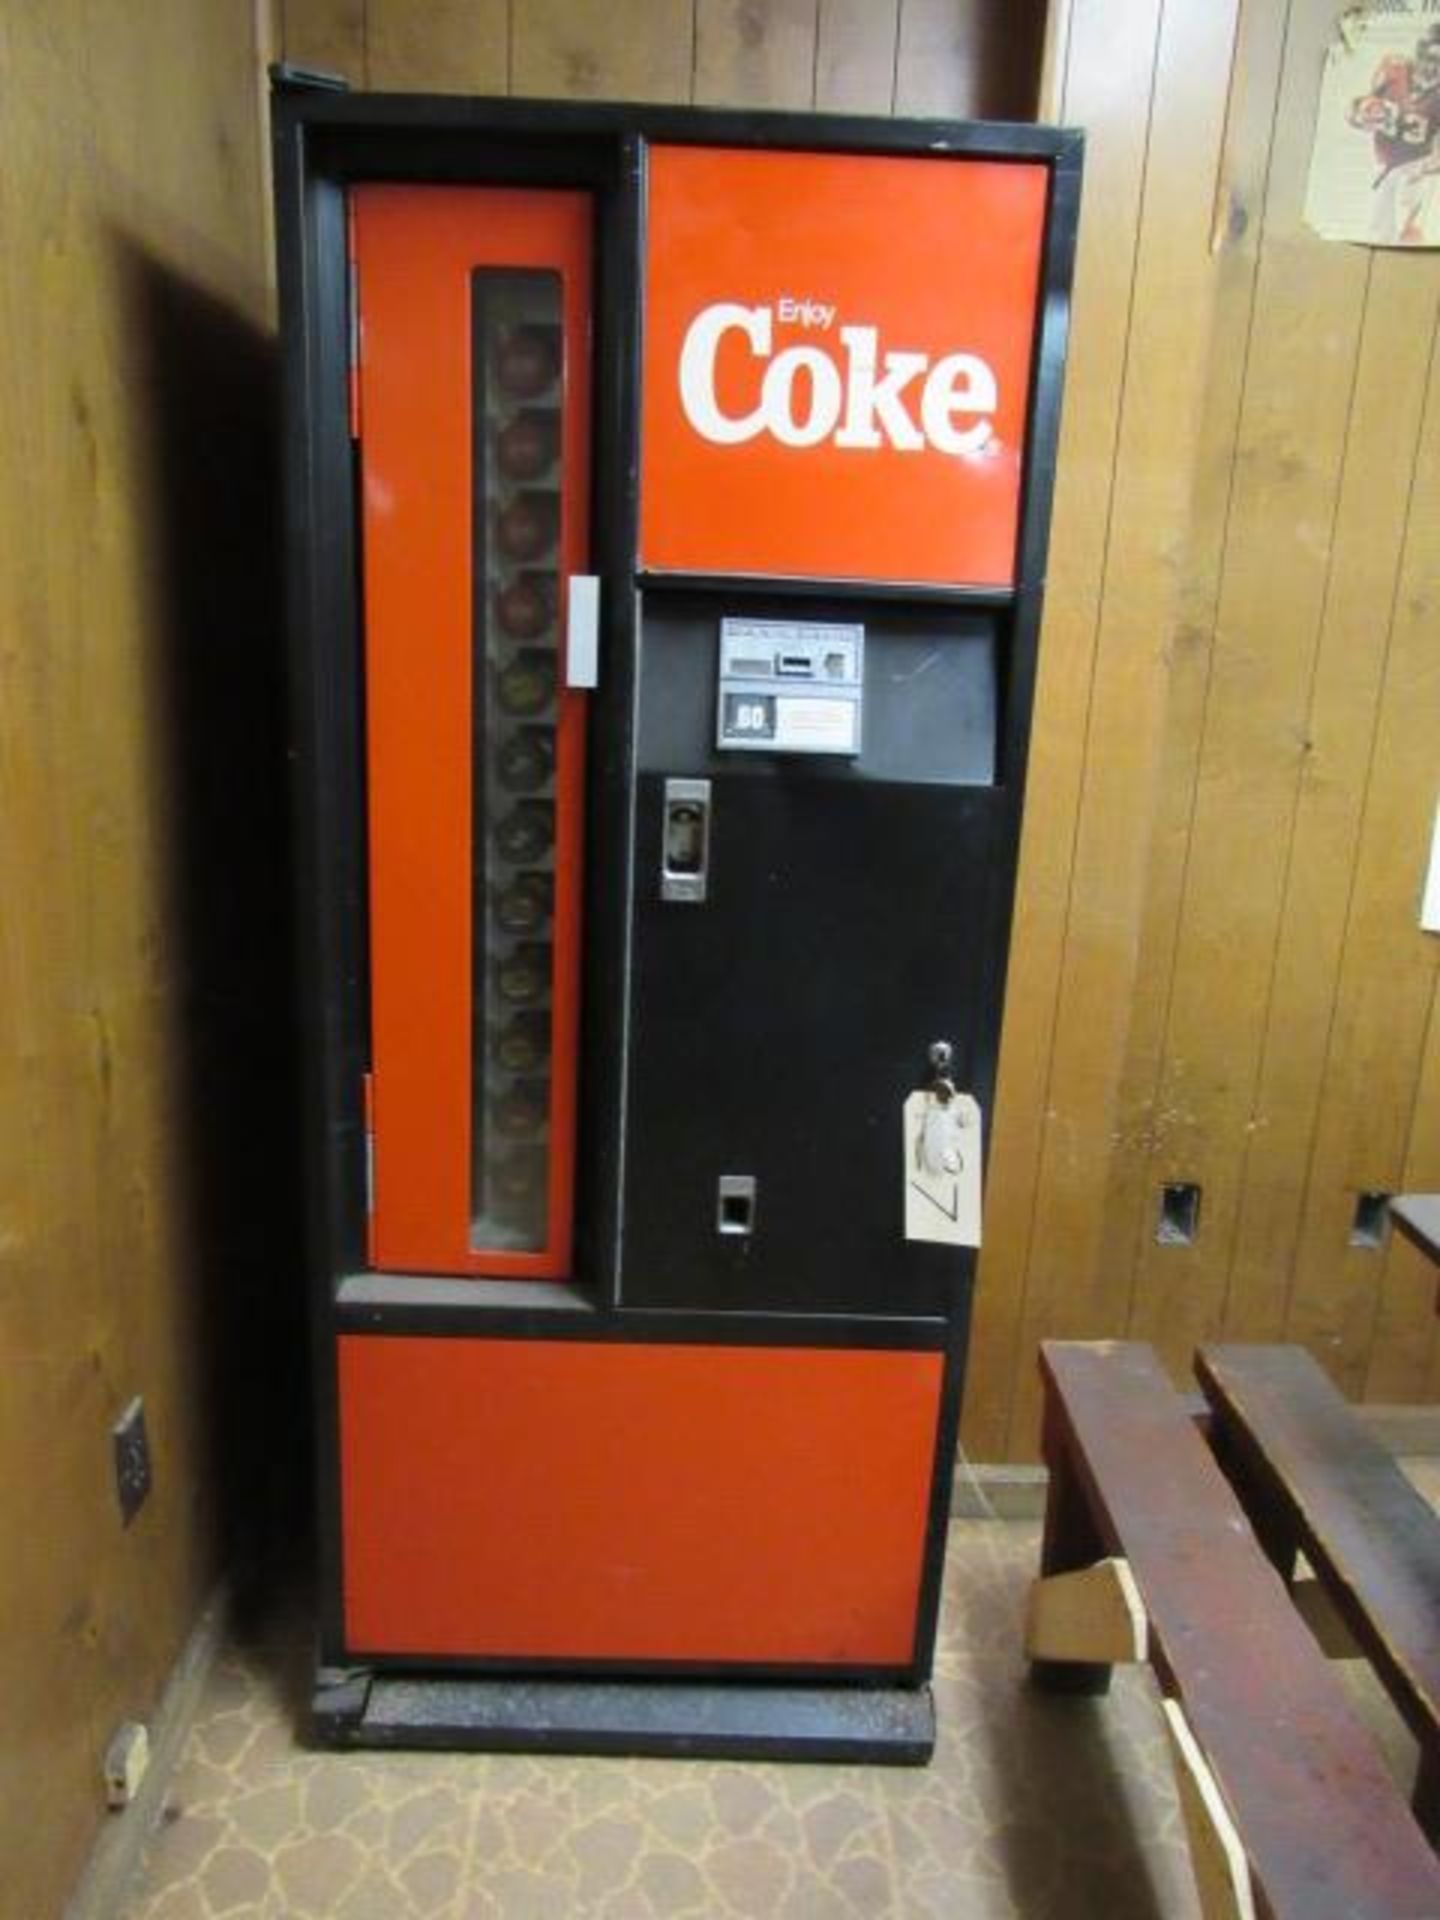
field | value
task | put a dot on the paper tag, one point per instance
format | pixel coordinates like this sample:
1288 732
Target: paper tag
942 1204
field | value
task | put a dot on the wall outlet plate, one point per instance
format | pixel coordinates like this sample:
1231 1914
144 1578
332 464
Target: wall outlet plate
126 1758
132 1459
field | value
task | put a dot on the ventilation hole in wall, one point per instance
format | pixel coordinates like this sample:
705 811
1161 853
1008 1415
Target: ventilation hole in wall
1372 1219
1179 1220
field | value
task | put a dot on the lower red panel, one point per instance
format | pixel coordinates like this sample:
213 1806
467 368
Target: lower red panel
588 1500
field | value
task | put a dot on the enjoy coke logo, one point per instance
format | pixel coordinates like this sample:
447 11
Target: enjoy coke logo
860 399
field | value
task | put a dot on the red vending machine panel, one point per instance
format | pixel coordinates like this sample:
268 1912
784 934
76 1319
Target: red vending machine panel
473 411
847 339
727 1504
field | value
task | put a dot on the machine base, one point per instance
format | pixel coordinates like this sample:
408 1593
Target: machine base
886 1726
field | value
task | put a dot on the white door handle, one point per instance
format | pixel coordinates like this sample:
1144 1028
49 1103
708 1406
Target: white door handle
582 631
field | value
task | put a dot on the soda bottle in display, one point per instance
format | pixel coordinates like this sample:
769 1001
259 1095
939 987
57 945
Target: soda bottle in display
525 605
527 831
525 445
527 359
527 685
518 1175
523 977
525 526
526 760
524 906
523 1043
522 1109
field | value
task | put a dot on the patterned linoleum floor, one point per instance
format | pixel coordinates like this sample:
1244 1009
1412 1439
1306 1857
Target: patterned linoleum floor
1034 1808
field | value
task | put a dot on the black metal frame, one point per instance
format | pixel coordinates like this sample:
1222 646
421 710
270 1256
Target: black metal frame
324 141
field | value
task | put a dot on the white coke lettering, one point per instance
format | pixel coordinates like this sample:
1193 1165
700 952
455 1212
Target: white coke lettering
872 401
778 397
806 396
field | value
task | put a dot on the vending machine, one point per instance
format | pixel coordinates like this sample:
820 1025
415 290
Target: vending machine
667 497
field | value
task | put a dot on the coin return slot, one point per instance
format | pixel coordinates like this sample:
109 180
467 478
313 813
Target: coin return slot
735 1207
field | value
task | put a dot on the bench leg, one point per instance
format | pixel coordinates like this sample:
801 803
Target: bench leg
1426 1799
1093 1615
1071 1542
1222 1873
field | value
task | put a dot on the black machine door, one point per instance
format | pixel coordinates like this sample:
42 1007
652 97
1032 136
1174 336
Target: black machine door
834 915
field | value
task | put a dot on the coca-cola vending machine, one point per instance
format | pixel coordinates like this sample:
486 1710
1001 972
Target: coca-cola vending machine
667 503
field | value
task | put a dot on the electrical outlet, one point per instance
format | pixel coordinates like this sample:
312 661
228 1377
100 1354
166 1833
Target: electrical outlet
132 1459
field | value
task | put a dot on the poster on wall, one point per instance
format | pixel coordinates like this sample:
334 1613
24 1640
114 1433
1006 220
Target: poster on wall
1375 164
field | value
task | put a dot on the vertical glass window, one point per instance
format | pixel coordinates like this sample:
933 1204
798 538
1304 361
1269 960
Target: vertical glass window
518 395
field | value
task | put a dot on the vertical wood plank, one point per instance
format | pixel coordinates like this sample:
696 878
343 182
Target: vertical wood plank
971 59
1164 385
328 35
269 47
1054 56
855 57
1309 302
1389 967
624 50
1109 69
755 53
445 46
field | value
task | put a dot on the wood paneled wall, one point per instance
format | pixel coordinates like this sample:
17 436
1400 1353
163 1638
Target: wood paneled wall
1216 975
134 368
975 57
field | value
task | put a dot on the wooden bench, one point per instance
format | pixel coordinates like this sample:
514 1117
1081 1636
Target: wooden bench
1290 1811
1312 1479
1417 1215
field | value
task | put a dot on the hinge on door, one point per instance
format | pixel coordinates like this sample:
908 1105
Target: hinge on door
367 1108
352 321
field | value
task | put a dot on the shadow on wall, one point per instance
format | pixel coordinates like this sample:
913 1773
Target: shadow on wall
210 396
